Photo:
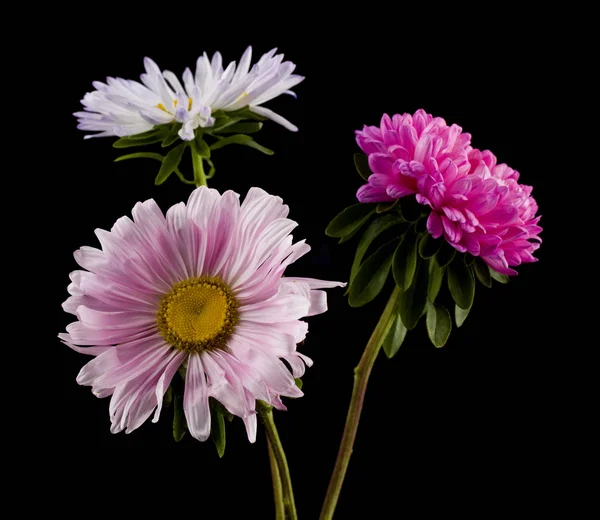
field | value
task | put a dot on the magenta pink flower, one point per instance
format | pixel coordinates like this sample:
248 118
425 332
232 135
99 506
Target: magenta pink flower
477 205
404 148
200 290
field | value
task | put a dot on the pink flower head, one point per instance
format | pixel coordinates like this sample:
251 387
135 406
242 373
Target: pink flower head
477 205
404 148
202 290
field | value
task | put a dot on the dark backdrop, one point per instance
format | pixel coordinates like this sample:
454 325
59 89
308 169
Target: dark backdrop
459 429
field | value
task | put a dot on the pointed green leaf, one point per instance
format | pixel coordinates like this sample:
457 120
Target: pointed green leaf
179 423
411 210
382 207
140 155
171 137
242 128
371 276
242 139
246 113
461 283
298 382
156 131
349 220
469 259
217 431
378 226
221 123
200 147
170 162
439 324
436 277
429 246
460 315
414 300
445 255
168 398
128 142
348 237
361 162
502 278
482 271
395 337
405 260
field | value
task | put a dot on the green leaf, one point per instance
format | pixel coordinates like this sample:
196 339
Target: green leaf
170 162
349 220
242 128
348 237
411 210
461 283
371 276
128 142
502 278
436 277
168 398
156 131
469 259
179 423
429 246
414 299
395 337
217 431
460 315
298 382
445 255
246 113
377 227
405 261
382 207
439 324
171 137
200 147
482 271
361 162
140 155
221 123
242 139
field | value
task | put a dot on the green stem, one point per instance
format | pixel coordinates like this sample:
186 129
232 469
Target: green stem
199 176
277 488
361 379
266 414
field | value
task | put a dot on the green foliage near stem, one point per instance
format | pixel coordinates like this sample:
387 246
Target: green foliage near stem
428 246
482 272
404 263
414 299
298 382
170 163
461 283
439 324
436 277
394 338
460 315
349 220
179 422
502 278
361 163
375 229
371 276
217 427
241 139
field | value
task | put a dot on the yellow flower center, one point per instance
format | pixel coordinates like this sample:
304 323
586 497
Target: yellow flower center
175 102
198 314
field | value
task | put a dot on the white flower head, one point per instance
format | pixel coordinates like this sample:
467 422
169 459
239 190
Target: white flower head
123 107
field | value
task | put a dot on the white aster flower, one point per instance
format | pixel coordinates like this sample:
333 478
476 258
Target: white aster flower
124 107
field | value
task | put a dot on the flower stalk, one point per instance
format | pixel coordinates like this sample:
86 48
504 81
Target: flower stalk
199 175
362 373
266 414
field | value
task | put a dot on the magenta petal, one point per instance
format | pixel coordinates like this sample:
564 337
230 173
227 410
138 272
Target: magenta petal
434 225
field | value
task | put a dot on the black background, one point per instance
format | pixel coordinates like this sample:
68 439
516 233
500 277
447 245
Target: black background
459 429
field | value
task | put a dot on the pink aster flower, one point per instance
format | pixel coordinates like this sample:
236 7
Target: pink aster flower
405 147
202 290
477 205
